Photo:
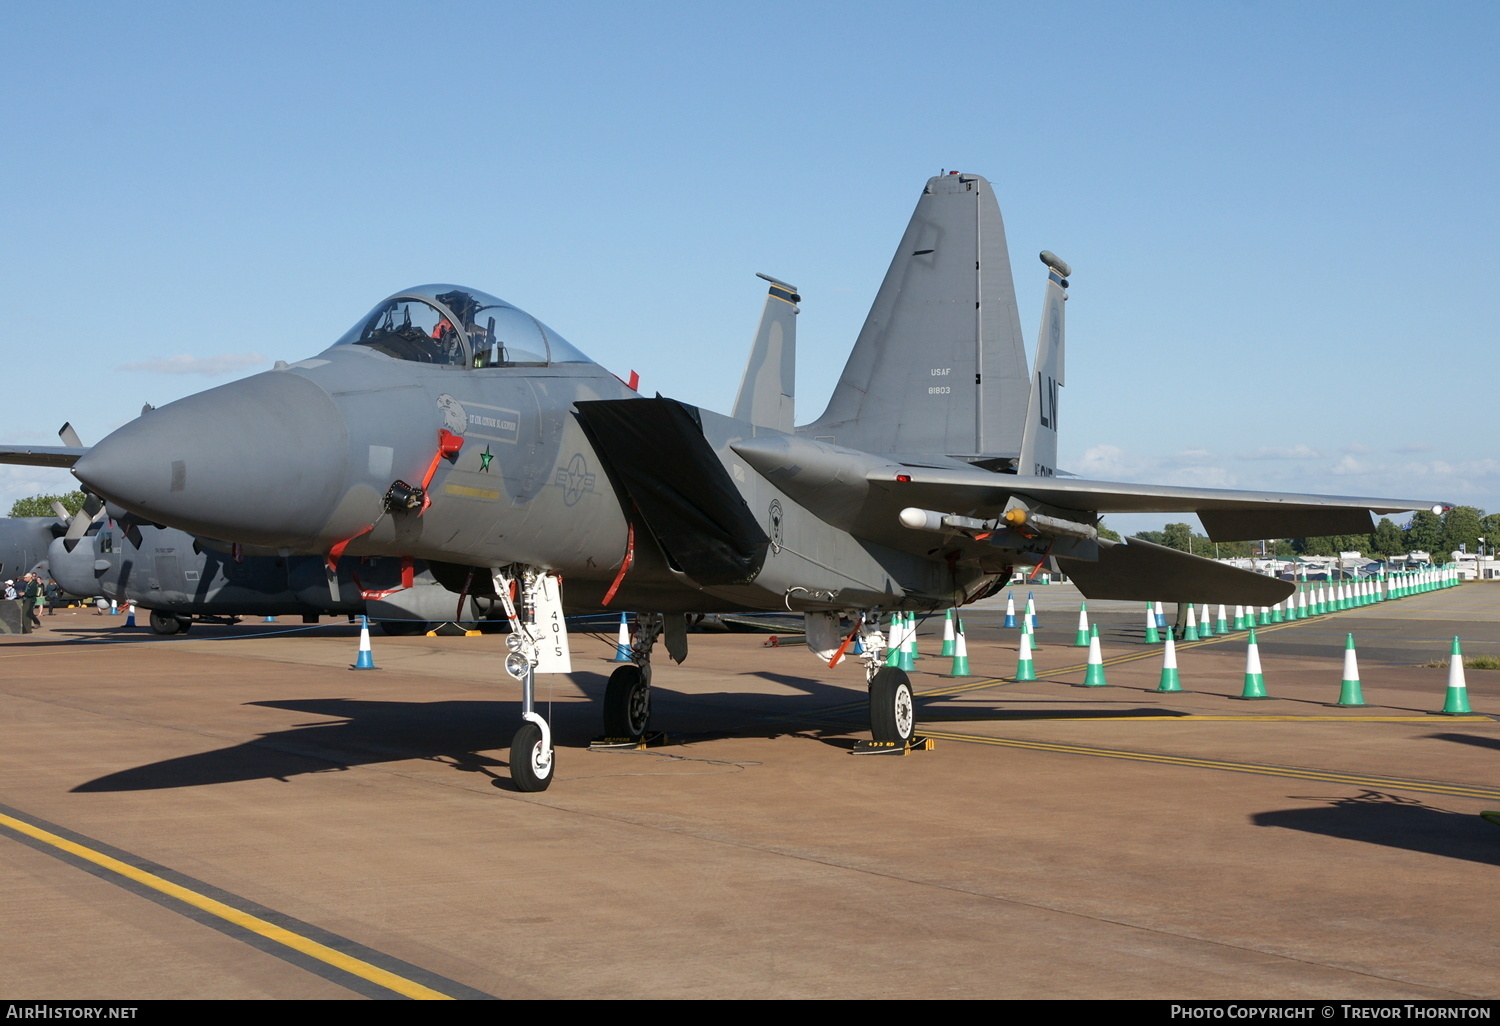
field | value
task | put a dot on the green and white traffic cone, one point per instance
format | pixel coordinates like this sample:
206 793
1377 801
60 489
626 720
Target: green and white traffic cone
1277 614
1239 618
1025 666
1028 629
893 642
947 649
908 658
1031 613
1205 625
1190 632
1081 639
1169 681
1457 702
1222 627
1152 636
1094 677
960 667
1255 681
1349 690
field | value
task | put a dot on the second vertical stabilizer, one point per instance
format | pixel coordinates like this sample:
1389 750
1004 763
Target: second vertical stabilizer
1039 444
768 390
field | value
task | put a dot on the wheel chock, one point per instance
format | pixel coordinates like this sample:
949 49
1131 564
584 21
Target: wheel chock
650 739
916 744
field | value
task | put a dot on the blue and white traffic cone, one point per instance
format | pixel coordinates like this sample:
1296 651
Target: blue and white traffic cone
1161 616
622 642
1010 610
269 619
366 660
130 615
114 609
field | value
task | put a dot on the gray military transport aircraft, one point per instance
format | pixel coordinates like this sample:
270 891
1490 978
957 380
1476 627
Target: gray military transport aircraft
180 579
448 425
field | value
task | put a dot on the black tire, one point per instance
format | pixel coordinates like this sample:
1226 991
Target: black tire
184 624
162 623
530 767
893 713
627 702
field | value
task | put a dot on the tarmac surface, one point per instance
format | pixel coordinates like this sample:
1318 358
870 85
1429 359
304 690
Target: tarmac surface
234 813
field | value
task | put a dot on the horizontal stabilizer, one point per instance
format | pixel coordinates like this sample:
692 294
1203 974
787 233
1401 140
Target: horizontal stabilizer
657 458
1142 572
1252 525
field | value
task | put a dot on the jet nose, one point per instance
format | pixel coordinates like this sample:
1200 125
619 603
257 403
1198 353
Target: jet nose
260 460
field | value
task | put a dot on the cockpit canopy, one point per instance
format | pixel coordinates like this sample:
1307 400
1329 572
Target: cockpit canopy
461 327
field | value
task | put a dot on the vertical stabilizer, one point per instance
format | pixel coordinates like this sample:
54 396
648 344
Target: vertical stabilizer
769 388
1039 445
939 367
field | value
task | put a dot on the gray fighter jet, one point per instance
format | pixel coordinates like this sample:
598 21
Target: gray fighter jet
450 426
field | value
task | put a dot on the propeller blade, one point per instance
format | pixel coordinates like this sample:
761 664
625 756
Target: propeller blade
69 436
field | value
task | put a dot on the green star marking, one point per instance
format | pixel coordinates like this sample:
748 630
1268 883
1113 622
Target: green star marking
484 459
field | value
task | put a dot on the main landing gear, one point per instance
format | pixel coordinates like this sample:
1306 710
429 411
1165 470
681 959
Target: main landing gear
627 696
893 707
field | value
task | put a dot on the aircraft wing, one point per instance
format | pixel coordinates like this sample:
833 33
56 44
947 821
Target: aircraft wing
866 494
1227 514
42 455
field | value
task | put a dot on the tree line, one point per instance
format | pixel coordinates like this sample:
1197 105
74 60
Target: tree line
1459 528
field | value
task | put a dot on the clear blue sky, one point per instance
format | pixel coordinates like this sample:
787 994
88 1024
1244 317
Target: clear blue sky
1282 217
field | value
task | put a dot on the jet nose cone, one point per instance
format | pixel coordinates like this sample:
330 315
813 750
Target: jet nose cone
260 460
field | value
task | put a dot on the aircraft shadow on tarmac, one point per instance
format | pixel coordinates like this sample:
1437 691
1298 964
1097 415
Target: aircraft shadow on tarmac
365 733
1375 817
1469 739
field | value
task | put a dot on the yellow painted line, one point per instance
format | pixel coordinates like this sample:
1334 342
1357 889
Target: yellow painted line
469 492
285 937
1356 780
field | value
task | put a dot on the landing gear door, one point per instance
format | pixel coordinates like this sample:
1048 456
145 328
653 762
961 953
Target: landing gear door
551 629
